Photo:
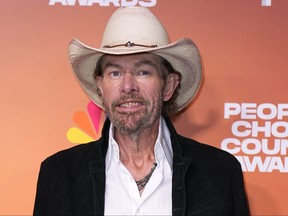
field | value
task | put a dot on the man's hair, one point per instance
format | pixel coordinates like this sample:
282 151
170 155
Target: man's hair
169 107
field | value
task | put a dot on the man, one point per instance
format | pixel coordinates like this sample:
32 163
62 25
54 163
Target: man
140 165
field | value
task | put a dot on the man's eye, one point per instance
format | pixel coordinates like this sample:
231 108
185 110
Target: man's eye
143 73
115 74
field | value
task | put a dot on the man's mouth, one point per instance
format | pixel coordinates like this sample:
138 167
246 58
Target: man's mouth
130 104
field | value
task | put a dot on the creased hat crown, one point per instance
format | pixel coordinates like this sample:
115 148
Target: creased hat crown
137 25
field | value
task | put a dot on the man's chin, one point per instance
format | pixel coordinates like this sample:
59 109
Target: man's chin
130 123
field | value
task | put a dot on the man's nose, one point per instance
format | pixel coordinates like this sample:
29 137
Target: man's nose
128 83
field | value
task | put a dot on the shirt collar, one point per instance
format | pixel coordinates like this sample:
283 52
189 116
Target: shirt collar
163 146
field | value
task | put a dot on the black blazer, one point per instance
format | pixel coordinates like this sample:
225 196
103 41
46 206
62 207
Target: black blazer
206 180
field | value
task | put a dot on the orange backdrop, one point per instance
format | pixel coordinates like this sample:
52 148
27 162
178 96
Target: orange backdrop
241 107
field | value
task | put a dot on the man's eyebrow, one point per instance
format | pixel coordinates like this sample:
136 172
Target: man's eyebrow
146 62
110 64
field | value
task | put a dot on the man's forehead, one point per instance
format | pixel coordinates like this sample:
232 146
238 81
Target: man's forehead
132 58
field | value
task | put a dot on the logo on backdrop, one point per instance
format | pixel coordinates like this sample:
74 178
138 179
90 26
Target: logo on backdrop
259 136
104 3
119 3
88 125
266 2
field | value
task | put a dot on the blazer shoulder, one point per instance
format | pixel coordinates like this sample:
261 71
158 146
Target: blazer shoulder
205 153
75 153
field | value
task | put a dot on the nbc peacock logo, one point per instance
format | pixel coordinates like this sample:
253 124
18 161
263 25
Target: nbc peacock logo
88 125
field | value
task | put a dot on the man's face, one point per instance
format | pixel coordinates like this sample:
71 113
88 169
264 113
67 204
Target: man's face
133 90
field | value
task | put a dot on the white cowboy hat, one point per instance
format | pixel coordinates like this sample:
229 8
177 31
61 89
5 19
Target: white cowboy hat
136 30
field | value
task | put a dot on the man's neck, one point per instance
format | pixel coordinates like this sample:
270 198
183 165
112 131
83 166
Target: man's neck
137 150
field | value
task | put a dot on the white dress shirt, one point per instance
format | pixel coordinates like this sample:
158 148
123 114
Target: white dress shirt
122 196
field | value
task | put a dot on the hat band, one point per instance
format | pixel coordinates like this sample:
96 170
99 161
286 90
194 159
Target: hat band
129 44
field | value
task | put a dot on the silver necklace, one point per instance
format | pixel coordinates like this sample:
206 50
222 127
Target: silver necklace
142 182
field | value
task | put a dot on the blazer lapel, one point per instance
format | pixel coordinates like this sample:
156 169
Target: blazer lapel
97 170
180 167
97 173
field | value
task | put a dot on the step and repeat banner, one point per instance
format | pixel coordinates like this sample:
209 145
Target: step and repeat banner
242 106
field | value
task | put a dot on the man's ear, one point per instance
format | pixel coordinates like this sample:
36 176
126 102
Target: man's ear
171 84
99 80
